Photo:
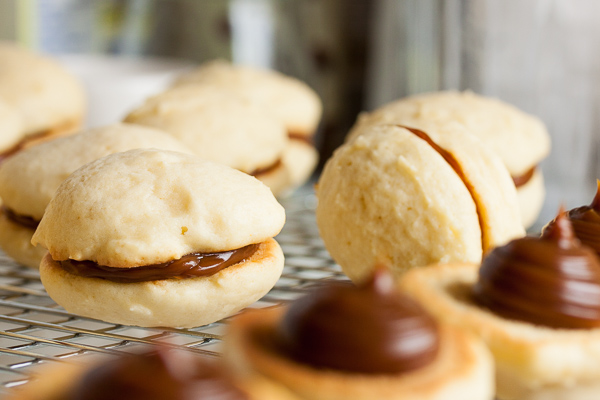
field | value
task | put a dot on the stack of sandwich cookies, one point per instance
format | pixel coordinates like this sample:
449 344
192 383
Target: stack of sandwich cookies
367 342
158 238
414 197
519 139
536 304
48 99
29 179
284 99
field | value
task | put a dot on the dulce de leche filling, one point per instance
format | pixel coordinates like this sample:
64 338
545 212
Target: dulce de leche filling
522 180
157 375
370 329
586 222
19 219
552 281
189 266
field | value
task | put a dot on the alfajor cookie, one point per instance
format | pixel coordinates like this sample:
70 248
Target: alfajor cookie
367 342
220 126
29 179
536 304
287 99
158 238
49 100
519 139
414 198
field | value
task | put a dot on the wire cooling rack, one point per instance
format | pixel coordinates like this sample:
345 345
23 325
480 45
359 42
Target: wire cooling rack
35 331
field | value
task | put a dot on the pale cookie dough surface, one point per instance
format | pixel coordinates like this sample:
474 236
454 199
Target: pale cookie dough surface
461 370
29 179
532 361
293 102
520 139
389 194
300 160
183 303
15 240
39 88
217 125
11 126
144 207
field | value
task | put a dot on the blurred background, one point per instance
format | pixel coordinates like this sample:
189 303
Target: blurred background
540 55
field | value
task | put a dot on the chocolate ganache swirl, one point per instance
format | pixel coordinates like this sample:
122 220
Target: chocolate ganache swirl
371 329
157 375
586 222
552 281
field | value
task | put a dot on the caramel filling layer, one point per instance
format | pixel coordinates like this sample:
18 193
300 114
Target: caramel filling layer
522 180
449 158
261 171
23 220
301 138
36 138
189 266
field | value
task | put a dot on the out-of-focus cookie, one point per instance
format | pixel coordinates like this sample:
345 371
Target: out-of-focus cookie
29 179
219 126
367 342
520 139
175 375
158 238
49 100
414 198
11 127
536 304
285 98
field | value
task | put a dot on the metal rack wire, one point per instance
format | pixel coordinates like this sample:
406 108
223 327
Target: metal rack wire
35 331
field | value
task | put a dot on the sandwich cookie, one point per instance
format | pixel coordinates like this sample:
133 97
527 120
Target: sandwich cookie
285 98
519 139
49 100
414 197
368 342
220 126
29 179
159 238
536 304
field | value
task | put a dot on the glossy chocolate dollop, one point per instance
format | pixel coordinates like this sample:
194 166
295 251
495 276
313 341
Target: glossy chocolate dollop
159 375
370 329
552 281
586 222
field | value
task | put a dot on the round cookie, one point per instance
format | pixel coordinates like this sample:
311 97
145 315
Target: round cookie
126 214
219 126
317 347
29 179
414 197
519 139
49 100
289 100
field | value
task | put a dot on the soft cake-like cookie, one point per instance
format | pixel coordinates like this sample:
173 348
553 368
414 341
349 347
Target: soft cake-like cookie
414 198
158 238
535 303
220 126
11 126
289 100
368 342
48 99
519 139
29 179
